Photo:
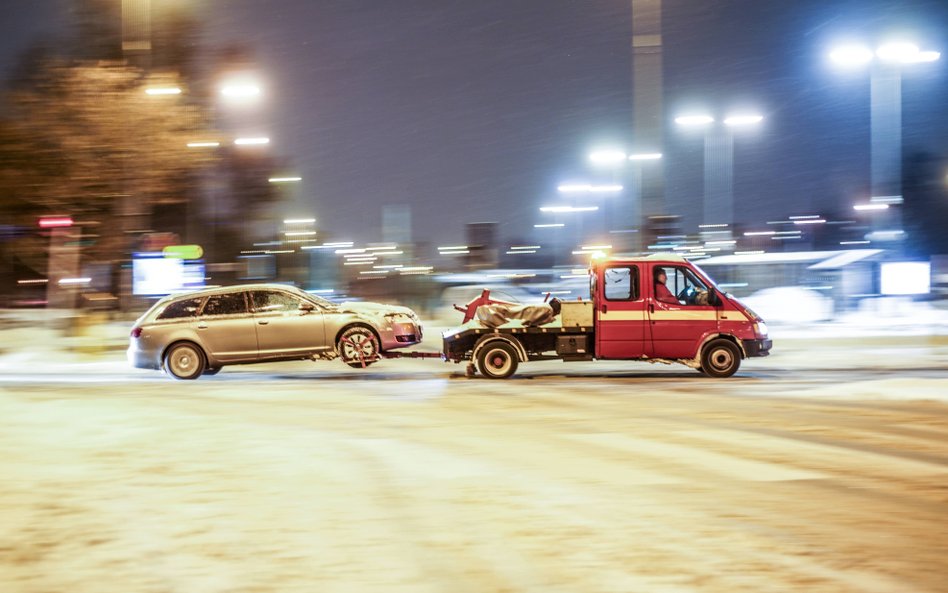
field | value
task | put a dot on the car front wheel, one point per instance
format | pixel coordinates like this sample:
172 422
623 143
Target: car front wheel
358 347
184 361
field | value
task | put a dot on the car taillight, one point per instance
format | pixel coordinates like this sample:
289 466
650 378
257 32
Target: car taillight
136 332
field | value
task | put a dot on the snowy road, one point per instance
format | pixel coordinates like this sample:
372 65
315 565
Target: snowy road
409 477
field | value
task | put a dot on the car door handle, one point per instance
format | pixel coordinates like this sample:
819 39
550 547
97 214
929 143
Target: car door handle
651 308
263 321
202 325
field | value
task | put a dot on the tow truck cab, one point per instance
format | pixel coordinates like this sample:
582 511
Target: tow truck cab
693 322
629 317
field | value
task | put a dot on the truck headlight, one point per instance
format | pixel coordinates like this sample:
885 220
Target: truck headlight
761 328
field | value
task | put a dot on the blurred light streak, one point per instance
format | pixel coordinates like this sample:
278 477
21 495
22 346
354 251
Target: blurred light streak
51 222
871 207
743 120
569 208
886 200
586 188
284 179
299 221
36 281
75 281
163 91
694 120
516 251
549 226
203 144
645 156
251 141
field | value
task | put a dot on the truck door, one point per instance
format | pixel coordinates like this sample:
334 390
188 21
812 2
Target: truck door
621 325
679 321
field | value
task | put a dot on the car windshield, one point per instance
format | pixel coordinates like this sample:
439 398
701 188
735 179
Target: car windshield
324 303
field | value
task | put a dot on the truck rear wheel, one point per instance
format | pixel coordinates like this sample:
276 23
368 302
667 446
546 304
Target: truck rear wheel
720 358
497 360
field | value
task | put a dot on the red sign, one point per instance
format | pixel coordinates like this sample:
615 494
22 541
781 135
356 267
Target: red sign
50 222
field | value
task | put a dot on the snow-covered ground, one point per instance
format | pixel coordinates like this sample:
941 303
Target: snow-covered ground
305 477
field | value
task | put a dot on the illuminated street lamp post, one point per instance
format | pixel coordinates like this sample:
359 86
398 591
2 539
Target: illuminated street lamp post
718 199
615 159
885 65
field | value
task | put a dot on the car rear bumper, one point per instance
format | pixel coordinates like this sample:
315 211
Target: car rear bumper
755 348
141 359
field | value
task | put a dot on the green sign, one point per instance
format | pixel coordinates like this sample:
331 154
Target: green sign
183 251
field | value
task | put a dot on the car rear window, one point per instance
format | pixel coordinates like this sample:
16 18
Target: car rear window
179 309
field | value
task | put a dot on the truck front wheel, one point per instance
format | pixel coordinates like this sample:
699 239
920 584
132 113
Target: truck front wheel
497 360
721 358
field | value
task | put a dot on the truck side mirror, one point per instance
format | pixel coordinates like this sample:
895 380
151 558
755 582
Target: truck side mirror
714 299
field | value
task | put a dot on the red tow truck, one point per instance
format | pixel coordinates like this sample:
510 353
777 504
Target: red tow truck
629 317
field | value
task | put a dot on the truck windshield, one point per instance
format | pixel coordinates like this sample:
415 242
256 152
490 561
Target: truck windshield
705 277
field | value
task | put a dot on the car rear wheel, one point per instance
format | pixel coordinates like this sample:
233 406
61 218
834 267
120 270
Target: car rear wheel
720 358
497 360
184 361
358 347
210 372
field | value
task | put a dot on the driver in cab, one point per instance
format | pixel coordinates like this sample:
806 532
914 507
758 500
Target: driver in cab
661 291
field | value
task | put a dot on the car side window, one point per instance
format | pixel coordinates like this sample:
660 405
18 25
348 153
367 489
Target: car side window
181 309
621 283
231 303
274 301
686 287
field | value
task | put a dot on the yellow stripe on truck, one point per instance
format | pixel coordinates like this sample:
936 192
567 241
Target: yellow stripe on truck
622 316
685 316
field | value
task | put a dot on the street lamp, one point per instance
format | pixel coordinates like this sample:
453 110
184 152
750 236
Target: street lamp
718 199
885 65
610 157
241 89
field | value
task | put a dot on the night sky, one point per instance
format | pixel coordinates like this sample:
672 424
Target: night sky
472 110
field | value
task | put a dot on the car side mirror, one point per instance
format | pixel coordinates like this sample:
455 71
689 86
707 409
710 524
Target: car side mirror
307 307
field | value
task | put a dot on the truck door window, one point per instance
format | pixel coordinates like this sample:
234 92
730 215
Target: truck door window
621 283
687 288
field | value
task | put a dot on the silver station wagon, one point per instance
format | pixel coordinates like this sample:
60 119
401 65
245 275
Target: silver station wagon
196 333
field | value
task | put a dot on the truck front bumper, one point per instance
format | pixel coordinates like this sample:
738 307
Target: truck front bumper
754 348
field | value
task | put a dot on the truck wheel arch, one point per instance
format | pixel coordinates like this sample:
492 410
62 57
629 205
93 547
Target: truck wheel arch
488 338
717 335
